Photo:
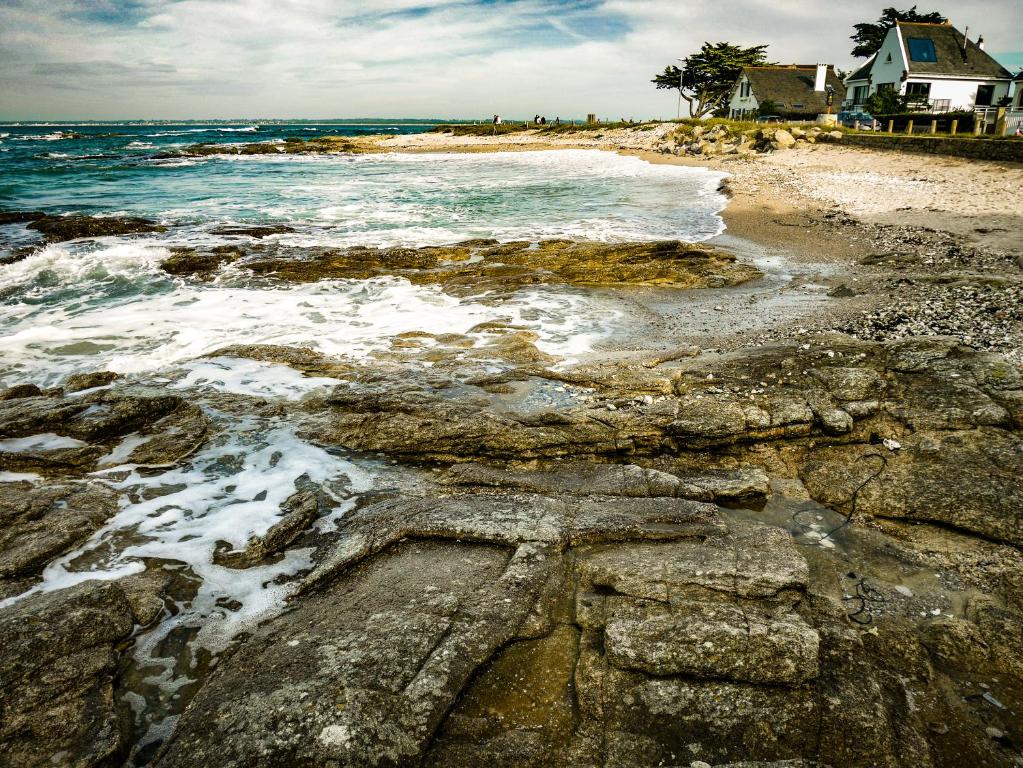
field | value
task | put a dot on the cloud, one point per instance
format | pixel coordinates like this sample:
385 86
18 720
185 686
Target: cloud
430 58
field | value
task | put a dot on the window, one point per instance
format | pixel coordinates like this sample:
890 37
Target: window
745 89
921 49
860 94
985 94
883 87
918 90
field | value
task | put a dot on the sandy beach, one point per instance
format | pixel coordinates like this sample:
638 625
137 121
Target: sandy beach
935 240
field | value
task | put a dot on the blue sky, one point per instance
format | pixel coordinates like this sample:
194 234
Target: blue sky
349 58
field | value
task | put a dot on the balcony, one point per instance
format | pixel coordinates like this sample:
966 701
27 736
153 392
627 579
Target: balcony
933 106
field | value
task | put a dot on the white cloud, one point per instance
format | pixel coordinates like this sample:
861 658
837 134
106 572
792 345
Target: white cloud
347 58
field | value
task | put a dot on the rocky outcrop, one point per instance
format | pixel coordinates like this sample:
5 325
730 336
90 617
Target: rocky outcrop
60 228
58 658
39 522
741 140
520 629
477 266
825 409
71 434
290 146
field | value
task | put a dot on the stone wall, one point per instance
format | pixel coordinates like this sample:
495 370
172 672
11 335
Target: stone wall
977 149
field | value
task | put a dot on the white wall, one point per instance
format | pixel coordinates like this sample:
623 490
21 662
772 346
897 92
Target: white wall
960 93
884 71
738 105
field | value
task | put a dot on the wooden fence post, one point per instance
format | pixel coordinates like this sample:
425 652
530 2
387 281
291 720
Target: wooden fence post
934 127
954 129
909 128
978 124
891 126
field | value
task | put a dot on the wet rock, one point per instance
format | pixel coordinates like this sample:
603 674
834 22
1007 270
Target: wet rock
475 266
202 264
80 381
60 228
299 512
914 482
406 633
41 521
57 663
20 390
56 435
256 232
291 146
20 217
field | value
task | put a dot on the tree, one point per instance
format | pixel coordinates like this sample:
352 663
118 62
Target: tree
706 78
768 107
889 102
869 36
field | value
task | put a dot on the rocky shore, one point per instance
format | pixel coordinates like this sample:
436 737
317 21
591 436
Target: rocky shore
799 545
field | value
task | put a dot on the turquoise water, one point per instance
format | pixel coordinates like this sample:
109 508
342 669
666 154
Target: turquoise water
105 303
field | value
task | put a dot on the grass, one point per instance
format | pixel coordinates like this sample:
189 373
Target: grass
480 129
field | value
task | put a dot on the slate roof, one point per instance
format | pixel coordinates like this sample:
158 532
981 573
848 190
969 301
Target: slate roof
864 71
948 44
792 85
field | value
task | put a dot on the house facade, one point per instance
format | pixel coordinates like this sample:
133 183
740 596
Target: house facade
935 66
793 89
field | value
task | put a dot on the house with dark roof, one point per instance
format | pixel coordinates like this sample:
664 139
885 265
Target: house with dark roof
795 90
1016 91
935 66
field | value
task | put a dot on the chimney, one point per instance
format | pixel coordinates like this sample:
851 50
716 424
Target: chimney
980 42
822 77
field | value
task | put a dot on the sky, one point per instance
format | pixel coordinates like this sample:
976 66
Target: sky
165 59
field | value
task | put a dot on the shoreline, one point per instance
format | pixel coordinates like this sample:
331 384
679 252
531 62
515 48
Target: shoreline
907 248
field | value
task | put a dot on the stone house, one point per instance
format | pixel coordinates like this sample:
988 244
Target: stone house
935 65
796 90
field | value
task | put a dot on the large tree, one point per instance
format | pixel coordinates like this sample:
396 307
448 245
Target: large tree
705 79
870 35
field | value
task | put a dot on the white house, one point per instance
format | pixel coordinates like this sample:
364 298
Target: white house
935 65
1016 92
798 90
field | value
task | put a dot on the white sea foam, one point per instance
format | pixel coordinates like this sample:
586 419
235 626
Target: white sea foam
136 319
17 477
227 494
47 441
250 377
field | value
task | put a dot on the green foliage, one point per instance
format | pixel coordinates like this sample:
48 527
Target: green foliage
870 35
480 129
768 107
706 78
885 103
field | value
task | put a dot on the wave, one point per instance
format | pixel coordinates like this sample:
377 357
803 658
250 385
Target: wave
249 129
138 319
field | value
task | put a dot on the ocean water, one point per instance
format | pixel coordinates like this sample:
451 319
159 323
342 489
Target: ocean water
105 304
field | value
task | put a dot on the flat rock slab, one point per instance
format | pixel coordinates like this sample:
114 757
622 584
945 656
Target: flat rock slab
362 673
57 663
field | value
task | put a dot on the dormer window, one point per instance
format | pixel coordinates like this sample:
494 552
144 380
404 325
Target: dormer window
921 49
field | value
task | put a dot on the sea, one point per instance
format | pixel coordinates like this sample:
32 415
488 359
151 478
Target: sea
105 304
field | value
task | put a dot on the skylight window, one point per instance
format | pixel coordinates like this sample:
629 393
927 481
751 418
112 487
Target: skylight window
921 49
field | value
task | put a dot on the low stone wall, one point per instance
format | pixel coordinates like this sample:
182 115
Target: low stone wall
977 149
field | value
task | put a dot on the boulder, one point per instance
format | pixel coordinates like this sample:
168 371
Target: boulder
58 659
782 138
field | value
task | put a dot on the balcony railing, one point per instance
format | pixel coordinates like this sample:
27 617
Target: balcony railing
934 107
